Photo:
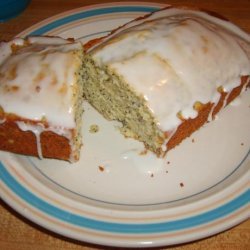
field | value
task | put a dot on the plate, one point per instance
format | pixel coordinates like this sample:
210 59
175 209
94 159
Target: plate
117 196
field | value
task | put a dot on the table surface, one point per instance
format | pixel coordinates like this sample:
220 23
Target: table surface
17 232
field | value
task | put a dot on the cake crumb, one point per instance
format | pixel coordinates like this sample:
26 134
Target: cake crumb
94 128
101 168
168 162
181 184
152 175
242 144
38 89
193 140
166 171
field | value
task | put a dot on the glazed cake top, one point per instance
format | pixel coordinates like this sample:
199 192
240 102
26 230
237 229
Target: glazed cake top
37 77
176 57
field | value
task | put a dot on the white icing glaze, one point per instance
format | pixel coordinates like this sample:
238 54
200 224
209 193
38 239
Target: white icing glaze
211 115
177 58
36 80
49 40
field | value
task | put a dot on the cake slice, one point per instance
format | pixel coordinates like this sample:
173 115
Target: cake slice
41 97
166 74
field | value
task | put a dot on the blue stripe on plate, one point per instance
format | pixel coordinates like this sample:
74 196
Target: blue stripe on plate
166 226
90 13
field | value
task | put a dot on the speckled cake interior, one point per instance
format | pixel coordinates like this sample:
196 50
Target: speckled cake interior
116 100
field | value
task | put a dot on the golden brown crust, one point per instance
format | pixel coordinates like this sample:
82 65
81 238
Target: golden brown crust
55 146
191 125
13 139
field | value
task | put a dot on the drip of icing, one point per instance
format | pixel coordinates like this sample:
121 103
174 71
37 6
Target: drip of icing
187 56
211 116
147 163
225 100
37 129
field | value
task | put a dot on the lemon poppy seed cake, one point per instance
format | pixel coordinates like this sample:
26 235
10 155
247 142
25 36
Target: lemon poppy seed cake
41 97
166 74
162 76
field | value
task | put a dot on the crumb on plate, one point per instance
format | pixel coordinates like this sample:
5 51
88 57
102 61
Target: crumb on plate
94 128
101 168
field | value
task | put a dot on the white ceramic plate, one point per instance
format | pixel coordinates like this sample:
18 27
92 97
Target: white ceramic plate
115 196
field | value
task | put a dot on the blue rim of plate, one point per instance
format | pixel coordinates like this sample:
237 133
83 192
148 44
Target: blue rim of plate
91 13
125 228
219 212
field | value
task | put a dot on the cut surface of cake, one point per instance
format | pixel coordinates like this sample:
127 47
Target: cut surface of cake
166 74
41 97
